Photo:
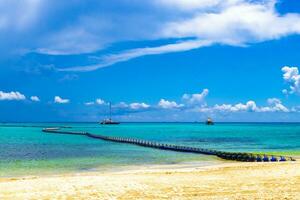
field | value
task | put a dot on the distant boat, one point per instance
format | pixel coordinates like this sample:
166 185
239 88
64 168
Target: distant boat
109 121
209 121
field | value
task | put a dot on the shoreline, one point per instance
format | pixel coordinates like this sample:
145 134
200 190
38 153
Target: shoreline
233 180
117 168
32 169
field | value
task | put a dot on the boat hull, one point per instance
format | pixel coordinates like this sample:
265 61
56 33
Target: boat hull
110 123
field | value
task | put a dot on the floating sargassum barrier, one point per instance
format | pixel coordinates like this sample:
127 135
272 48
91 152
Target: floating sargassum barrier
237 156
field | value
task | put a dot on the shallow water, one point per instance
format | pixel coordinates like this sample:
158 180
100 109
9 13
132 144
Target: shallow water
25 150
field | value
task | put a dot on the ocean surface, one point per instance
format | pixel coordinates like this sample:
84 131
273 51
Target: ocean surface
26 150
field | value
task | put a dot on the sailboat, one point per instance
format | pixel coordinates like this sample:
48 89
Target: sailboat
109 121
209 121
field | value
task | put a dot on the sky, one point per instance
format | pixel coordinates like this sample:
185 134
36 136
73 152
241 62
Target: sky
154 60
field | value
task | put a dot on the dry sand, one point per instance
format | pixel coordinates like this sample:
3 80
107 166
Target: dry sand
222 181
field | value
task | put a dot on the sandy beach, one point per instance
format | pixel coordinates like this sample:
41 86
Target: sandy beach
222 181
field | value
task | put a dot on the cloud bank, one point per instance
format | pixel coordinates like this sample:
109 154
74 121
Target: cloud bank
227 22
275 105
181 25
195 103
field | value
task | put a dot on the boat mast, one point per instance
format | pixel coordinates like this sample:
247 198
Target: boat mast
109 110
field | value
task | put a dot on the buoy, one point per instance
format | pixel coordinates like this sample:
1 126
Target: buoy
282 159
266 158
258 158
273 159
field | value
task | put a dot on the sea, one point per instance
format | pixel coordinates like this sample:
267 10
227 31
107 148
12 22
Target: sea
26 150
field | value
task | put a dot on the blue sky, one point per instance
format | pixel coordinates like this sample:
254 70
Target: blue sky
158 60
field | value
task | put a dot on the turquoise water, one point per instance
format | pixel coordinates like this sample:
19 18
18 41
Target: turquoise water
25 150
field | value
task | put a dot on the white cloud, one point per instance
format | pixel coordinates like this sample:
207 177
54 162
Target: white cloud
58 99
71 40
249 106
138 106
274 105
19 14
121 105
194 5
89 103
100 101
273 101
35 98
295 109
195 98
11 96
134 53
292 76
285 91
169 104
240 23
132 106
230 22
97 101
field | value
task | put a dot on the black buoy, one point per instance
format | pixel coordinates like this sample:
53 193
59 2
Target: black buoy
258 158
251 158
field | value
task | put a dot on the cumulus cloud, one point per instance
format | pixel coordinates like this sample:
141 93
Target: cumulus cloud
132 106
59 100
195 98
165 104
11 96
291 75
138 106
35 98
100 101
274 105
249 106
239 23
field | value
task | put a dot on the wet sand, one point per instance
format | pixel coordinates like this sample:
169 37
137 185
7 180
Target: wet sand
231 180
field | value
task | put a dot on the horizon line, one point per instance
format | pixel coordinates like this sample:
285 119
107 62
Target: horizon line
190 122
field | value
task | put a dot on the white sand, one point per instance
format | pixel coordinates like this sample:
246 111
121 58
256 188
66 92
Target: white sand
223 181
